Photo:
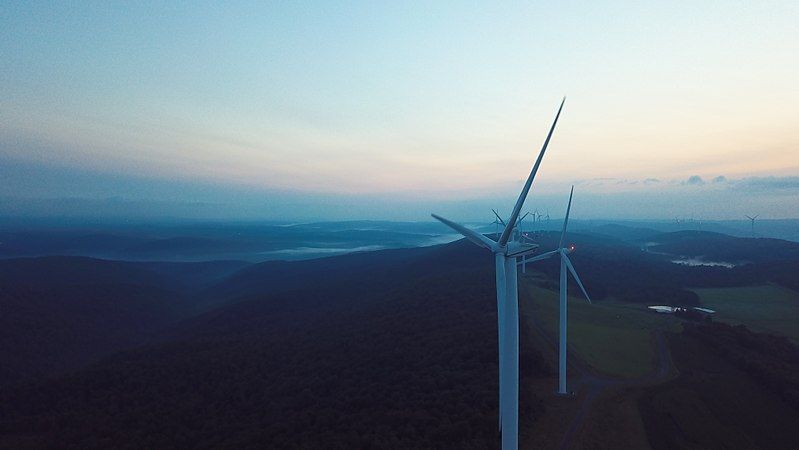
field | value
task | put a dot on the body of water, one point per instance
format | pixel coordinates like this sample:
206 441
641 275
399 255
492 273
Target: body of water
702 262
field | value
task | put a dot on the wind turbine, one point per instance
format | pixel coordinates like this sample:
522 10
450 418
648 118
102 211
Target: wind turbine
522 234
505 253
565 263
753 223
519 232
497 221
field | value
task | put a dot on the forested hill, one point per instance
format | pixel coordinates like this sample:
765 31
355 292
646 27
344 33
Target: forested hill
73 270
344 270
61 313
385 349
404 358
633 272
64 312
722 247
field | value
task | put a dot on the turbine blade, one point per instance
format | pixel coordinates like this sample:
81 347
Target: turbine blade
498 218
473 236
574 274
566 220
522 217
541 257
523 195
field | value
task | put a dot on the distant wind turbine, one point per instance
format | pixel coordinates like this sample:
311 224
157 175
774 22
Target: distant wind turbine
497 221
505 252
565 263
752 219
517 228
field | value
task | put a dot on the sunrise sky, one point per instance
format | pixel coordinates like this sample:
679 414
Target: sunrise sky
391 111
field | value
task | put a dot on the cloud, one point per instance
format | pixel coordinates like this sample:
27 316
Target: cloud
720 179
651 181
694 180
768 183
598 182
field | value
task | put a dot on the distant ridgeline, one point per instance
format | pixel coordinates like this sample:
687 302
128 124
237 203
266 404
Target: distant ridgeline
253 242
257 242
641 270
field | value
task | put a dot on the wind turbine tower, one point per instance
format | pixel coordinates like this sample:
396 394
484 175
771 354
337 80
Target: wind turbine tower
752 219
565 264
506 250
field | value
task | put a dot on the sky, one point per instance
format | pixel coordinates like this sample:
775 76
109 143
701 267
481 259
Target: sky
393 110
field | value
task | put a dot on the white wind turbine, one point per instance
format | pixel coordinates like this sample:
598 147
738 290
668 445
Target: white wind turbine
565 264
505 252
497 222
520 221
752 219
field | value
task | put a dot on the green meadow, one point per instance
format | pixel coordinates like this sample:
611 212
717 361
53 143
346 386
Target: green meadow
613 338
767 308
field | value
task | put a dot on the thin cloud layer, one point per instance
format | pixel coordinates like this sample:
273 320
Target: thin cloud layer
773 184
68 192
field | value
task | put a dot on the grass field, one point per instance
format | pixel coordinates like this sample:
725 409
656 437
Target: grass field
613 338
767 308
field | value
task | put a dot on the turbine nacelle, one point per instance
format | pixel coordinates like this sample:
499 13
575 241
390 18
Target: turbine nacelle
516 248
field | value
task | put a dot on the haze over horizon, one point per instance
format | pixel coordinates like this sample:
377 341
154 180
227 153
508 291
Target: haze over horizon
365 111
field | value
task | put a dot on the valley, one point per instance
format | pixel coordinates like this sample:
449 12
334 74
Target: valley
391 348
